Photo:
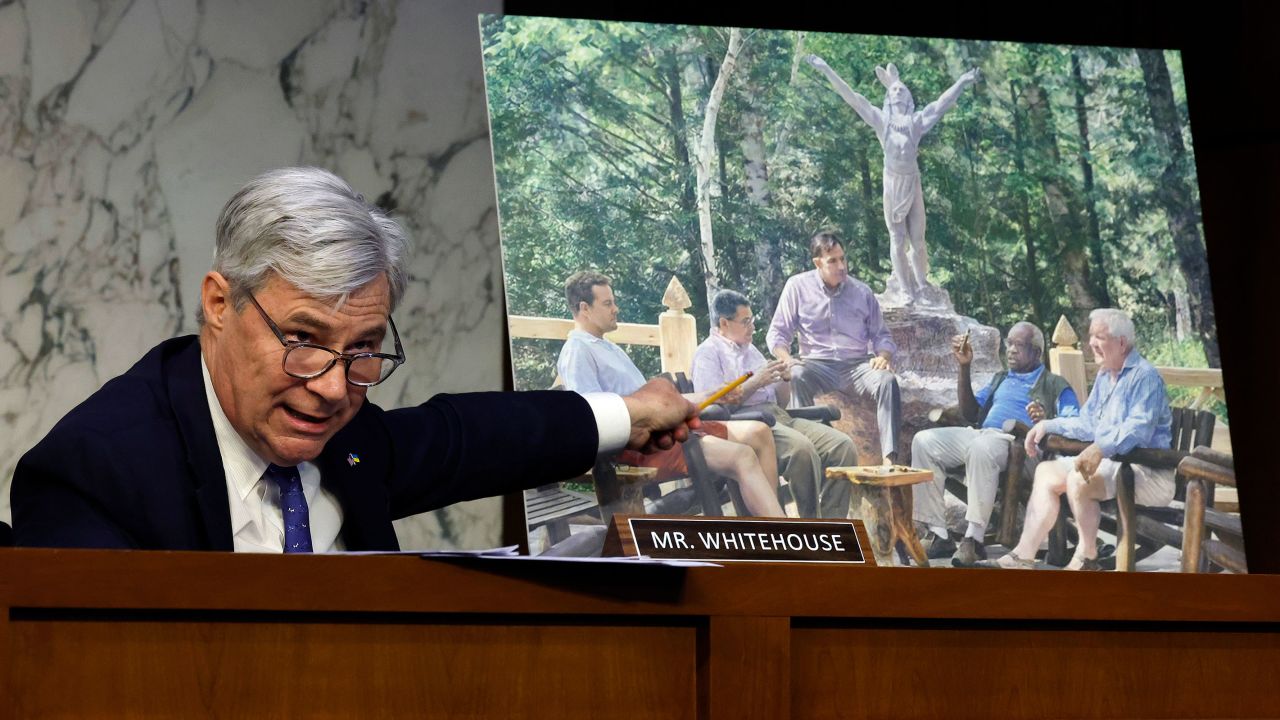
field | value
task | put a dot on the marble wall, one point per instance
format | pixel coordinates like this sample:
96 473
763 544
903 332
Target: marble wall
124 126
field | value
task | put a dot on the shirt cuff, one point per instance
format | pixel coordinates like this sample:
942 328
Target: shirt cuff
613 422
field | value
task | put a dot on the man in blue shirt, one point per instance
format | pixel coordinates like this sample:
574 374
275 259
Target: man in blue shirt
1128 408
1027 391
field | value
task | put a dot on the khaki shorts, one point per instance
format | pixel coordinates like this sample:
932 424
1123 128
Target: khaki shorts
1152 487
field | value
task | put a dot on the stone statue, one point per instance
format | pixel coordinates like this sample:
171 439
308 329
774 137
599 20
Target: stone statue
899 128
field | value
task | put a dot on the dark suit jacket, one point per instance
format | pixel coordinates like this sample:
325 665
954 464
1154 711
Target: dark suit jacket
137 464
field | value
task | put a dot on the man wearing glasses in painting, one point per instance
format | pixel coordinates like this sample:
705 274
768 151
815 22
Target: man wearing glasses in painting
255 436
805 447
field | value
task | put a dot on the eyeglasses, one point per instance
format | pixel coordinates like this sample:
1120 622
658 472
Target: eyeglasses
305 360
744 322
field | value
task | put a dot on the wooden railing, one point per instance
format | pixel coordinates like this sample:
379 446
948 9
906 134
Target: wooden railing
675 334
1068 361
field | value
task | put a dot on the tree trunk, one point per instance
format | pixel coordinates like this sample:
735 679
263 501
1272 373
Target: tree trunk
872 220
679 129
1174 193
1098 269
1182 314
784 130
705 156
754 163
1061 202
1031 272
766 251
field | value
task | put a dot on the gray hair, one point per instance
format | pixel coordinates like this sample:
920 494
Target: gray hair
1117 322
308 226
725 305
1037 337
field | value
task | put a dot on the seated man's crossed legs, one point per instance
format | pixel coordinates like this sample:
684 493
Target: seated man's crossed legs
1152 487
856 377
740 450
983 454
749 456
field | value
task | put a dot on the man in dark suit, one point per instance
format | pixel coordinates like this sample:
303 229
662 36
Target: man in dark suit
254 436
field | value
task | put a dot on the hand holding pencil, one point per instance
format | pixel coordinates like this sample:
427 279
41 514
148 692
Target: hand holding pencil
713 397
660 416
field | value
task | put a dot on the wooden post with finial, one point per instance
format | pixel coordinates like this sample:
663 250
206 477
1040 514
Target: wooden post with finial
1067 360
677 330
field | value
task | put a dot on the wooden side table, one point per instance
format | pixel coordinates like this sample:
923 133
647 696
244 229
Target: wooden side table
885 491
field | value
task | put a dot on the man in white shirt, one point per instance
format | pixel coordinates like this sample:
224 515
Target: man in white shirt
255 435
589 362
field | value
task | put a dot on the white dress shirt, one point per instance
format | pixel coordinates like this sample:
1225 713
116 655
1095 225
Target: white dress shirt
257 523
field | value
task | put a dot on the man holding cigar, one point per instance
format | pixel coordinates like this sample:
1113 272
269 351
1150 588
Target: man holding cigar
1027 391
805 448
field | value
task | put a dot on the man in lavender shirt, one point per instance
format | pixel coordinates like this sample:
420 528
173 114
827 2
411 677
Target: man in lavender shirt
805 447
844 344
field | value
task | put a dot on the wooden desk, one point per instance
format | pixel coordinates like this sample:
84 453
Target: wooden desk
94 633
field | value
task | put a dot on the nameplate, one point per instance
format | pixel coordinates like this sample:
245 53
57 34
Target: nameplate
738 539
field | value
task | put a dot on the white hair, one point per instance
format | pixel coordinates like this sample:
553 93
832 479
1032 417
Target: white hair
1117 322
311 228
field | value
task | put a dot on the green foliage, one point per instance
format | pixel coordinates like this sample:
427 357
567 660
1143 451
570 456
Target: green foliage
594 126
1168 351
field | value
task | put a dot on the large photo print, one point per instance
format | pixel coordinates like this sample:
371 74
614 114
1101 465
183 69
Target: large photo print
972 270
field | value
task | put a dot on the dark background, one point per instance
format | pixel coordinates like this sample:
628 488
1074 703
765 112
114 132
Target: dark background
1231 62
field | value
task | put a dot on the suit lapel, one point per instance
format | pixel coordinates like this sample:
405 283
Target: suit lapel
359 488
191 410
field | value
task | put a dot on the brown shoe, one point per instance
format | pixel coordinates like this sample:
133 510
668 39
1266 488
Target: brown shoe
969 553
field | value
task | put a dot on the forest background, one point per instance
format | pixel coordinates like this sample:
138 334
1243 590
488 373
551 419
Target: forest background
1063 181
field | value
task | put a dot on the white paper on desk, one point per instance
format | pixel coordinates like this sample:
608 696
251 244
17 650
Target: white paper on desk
591 560
509 550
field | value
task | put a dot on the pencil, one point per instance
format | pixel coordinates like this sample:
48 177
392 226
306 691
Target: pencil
723 391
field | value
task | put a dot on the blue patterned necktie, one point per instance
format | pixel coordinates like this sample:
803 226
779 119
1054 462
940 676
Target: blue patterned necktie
293 505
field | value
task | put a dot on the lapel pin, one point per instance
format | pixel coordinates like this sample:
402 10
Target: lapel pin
353 459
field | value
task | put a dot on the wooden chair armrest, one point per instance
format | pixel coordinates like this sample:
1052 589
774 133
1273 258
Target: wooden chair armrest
720 413
1016 428
949 416
1192 467
1063 445
1217 457
1150 457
